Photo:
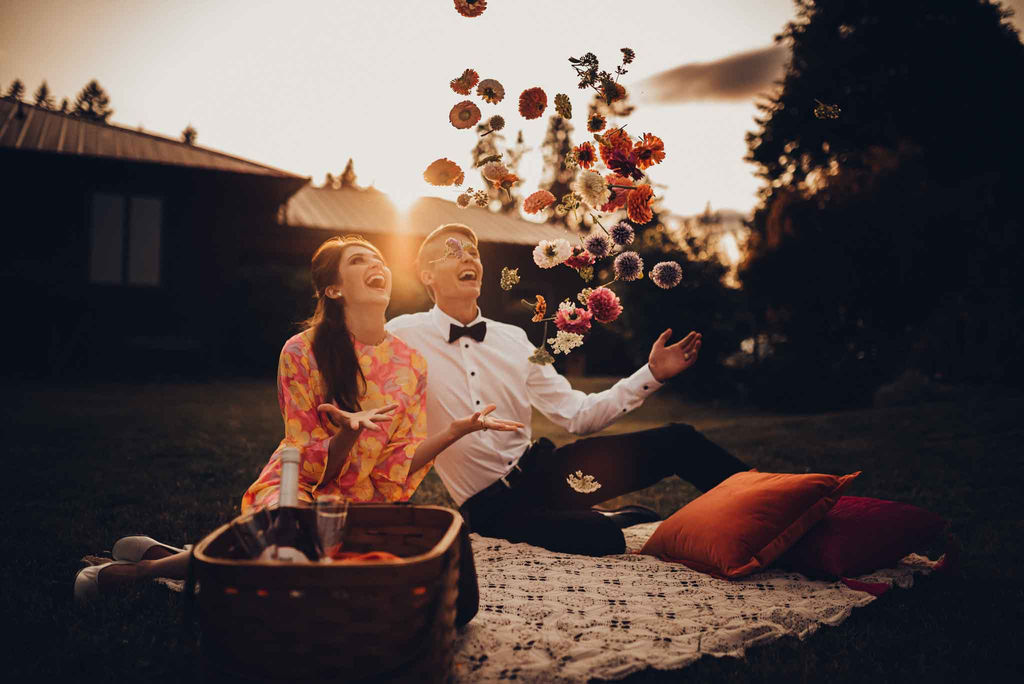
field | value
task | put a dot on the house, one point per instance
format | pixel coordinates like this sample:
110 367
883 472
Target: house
130 253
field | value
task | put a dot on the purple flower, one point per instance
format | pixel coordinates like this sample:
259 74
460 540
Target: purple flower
667 274
622 233
629 266
598 245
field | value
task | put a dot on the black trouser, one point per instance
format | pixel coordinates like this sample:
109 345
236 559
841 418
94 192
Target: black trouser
542 509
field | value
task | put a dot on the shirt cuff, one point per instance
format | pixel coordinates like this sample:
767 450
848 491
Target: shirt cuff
642 381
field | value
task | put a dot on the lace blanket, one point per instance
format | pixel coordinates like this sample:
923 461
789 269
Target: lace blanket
549 617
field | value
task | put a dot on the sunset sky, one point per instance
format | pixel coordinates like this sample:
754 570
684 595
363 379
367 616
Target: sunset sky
305 85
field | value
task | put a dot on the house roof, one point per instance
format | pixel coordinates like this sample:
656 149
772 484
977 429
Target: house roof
370 211
27 127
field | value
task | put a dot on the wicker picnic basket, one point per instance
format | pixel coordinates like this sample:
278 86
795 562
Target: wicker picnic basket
383 621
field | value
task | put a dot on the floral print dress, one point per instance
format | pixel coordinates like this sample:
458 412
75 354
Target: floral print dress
377 467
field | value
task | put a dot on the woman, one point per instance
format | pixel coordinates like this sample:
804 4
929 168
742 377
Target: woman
352 397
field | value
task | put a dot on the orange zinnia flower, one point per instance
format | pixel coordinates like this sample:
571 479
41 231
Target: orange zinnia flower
464 114
585 155
595 123
638 204
471 8
539 309
463 83
619 195
615 139
506 181
443 172
532 103
538 201
613 94
649 152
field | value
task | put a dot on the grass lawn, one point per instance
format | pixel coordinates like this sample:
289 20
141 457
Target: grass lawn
91 464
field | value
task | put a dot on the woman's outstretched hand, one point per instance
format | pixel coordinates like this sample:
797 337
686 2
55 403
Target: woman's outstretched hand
359 420
480 421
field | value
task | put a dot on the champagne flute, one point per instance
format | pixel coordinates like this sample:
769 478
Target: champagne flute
331 517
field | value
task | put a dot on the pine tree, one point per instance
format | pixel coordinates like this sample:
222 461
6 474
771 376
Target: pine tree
64 106
330 181
16 90
347 179
557 177
92 103
188 136
43 97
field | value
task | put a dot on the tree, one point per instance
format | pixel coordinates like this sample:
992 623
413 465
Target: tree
64 106
890 180
347 179
16 90
329 181
557 177
489 146
188 136
43 97
92 103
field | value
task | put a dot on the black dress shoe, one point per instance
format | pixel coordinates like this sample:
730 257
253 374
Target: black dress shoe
628 515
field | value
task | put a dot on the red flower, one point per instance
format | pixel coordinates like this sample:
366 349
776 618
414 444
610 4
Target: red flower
532 103
649 152
464 114
580 258
615 140
638 204
604 305
574 320
619 195
595 123
585 155
538 201
471 8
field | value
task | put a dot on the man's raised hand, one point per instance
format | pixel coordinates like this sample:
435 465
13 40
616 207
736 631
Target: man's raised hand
668 361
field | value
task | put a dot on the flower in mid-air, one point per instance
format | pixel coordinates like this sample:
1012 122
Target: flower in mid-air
629 266
463 200
540 308
573 319
614 140
650 151
592 188
494 171
667 274
550 253
464 114
532 103
638 204
604 304
619 194
443 172
596 122
463 83
563 106
584 484
491 91
564 342
471 8
509 277
539 200
541 357
622 233
580 258
585 156
598 245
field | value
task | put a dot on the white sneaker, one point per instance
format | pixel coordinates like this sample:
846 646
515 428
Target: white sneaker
134 548
87 584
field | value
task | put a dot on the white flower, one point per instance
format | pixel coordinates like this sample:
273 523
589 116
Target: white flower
567 306
550 253
592 188
584 484
494 171
564 342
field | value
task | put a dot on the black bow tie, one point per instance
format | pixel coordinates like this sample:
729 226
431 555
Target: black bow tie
477 332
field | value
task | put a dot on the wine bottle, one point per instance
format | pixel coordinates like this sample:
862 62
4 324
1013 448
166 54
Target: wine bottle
291 537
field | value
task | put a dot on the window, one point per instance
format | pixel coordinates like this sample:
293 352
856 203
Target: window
125 245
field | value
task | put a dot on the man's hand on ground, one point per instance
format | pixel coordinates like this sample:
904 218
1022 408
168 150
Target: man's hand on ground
667 362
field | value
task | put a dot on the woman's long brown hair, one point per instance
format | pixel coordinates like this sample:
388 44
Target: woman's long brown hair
332 343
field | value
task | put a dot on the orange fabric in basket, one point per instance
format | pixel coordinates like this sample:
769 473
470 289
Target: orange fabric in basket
368 557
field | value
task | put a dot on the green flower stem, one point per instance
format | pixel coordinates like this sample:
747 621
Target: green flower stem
598 222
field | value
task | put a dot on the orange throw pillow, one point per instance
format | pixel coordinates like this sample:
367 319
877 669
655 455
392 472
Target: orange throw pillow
746 522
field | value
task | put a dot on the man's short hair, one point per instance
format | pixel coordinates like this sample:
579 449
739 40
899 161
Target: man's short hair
435 236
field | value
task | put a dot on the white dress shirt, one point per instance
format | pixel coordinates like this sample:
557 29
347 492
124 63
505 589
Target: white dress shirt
465 375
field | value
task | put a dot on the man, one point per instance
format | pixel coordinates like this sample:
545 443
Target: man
504 485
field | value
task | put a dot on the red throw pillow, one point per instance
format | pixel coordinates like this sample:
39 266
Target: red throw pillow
860 535
746 522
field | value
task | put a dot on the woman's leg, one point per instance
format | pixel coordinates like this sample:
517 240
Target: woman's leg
172 567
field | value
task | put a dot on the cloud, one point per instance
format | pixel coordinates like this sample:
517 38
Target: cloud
730 79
